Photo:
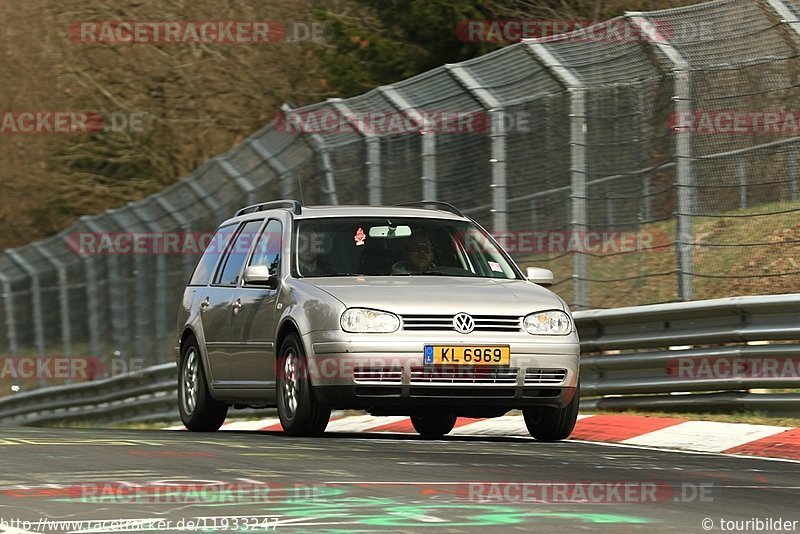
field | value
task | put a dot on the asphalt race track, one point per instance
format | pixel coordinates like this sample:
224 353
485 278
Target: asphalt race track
376 483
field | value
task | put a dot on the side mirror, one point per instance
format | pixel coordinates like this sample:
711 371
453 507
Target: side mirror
260 275
543 277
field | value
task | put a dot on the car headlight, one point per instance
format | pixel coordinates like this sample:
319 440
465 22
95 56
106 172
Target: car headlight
363 321
549 323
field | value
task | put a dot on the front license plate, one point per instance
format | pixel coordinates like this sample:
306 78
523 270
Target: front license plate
467 355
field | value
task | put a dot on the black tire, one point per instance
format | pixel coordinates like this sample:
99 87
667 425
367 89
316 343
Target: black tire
553 424
298 409
199 411
433 426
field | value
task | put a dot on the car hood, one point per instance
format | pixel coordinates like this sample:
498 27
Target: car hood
440 294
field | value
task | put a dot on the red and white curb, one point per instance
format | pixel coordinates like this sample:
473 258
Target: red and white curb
661 432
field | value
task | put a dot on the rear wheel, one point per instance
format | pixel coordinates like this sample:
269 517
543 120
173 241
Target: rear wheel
433 426
199 411
298 409
553 424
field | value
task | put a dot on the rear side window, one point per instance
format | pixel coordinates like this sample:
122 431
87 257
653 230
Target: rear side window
202 273
231 267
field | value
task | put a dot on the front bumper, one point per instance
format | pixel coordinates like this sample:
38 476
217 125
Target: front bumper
386 373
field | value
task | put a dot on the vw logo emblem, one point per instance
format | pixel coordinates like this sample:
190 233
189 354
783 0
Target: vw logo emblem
463 323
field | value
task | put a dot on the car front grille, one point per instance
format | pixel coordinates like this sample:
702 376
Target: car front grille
378 375
483 323
464 375
544 376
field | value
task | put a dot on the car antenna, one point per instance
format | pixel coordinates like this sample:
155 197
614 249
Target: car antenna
286 107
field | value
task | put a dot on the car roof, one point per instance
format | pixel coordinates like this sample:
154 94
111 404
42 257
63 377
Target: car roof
310 212
314 212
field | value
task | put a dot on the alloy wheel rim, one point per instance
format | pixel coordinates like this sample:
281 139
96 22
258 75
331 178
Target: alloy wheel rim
191 381
290 383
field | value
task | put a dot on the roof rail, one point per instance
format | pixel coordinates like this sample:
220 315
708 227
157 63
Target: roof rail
294 205
435 204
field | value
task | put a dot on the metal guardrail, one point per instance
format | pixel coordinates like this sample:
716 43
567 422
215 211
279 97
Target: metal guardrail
140 397
649 375
631 352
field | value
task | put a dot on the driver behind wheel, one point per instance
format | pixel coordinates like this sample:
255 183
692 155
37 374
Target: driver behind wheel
418 255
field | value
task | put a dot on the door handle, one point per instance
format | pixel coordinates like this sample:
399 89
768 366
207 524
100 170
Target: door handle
205 304
237 306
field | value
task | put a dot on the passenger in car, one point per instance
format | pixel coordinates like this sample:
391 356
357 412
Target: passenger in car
418 255
309 256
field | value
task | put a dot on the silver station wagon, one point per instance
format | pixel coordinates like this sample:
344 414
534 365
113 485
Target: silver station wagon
406 310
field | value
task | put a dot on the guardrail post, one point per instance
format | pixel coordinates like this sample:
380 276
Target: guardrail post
683 151
578 191
63 297
324 152
36 302
498 135
429 189
373 143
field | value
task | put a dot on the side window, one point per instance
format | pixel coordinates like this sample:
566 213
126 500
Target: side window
231 267
202 273
268 247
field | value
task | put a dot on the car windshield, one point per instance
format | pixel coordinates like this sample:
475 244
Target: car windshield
350 246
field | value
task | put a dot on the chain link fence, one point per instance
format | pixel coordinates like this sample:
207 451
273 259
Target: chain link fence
617 163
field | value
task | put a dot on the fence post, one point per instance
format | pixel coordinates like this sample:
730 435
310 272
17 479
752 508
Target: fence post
792 164
203 196
324 152
160 300
177 216
11 326
36 298
244 184
92 298
578 173
117 295
498 135
374 186
683 151
742 168
274 163
63 297
428 141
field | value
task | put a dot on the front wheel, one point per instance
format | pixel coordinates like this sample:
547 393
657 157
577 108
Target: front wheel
553 424
298 409
199 411
433 426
